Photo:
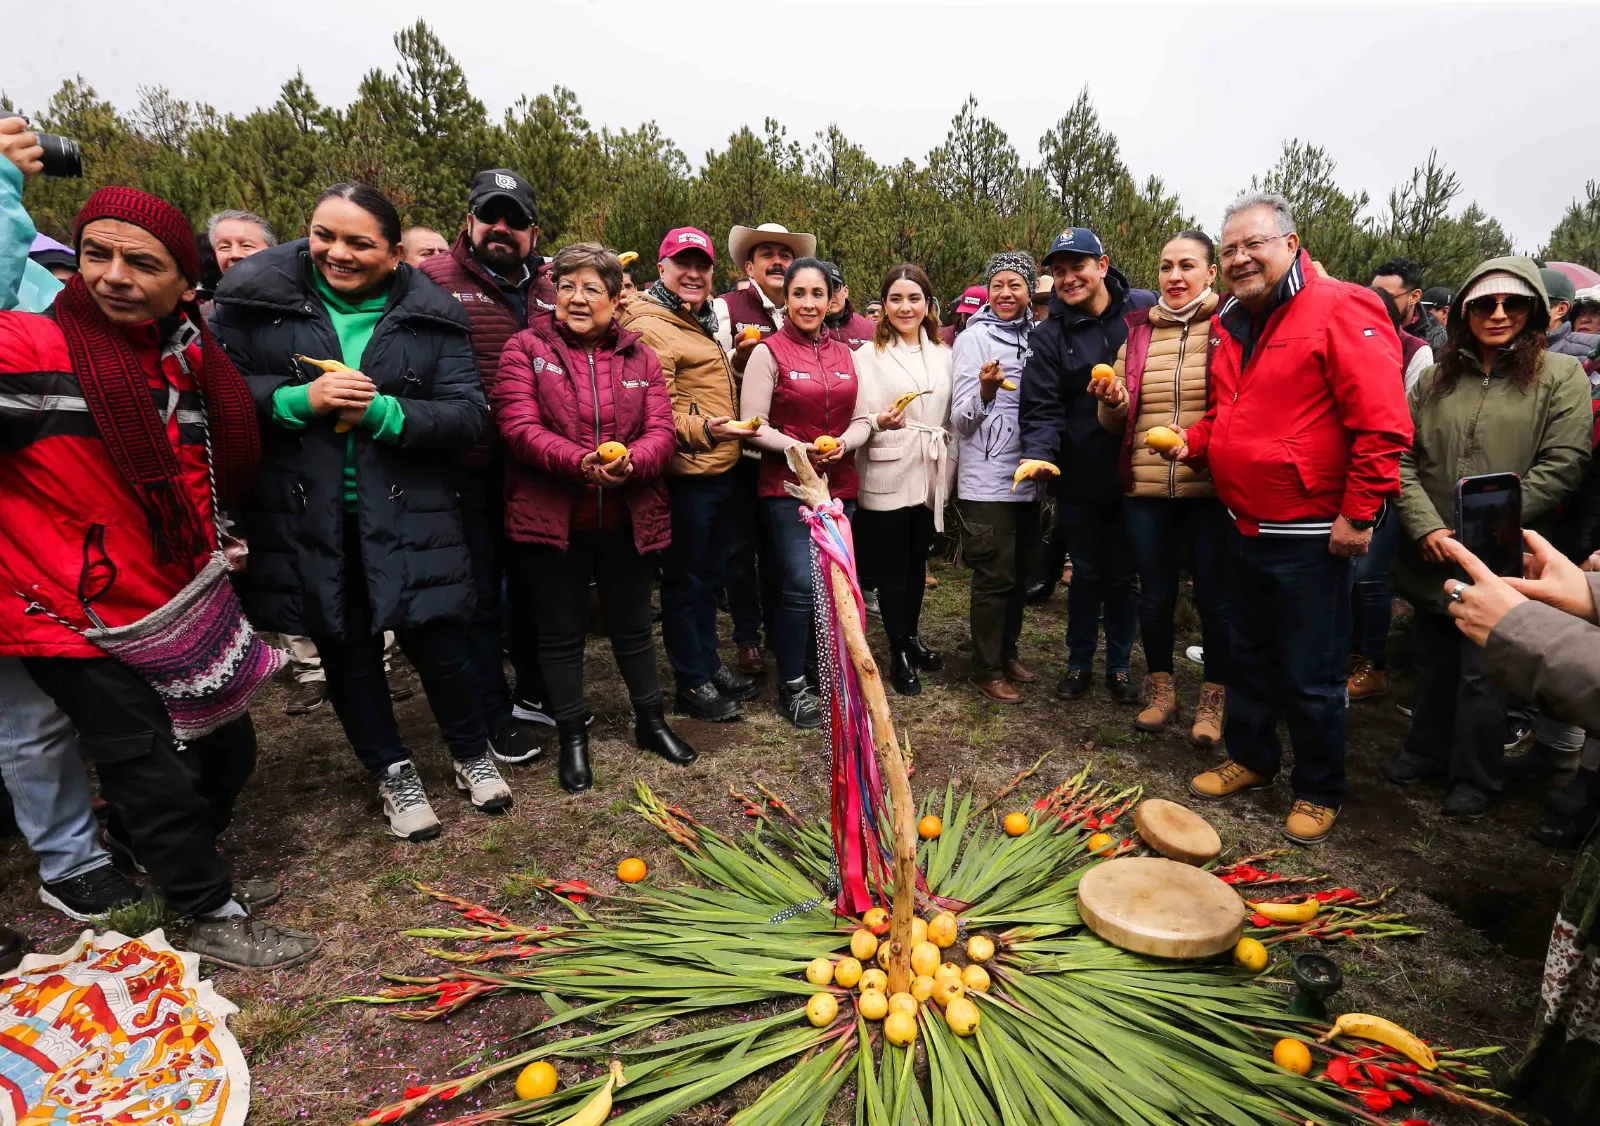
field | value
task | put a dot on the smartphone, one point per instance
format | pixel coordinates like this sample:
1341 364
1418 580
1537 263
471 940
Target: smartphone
1489 520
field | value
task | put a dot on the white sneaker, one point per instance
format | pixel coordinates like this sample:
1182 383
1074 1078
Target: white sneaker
405 803
479 778
1196 653
530 710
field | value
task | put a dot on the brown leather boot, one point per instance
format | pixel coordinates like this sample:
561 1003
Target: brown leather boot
1000 691
1366 682
1309 823
1226 780
1160 703
1207 729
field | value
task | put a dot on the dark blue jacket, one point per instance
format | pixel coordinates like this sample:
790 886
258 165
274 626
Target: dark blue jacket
1058 416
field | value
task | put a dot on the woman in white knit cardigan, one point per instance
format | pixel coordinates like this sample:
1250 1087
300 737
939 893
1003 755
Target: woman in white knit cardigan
908 464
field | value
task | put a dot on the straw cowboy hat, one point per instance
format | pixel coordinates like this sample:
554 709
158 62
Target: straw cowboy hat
742 240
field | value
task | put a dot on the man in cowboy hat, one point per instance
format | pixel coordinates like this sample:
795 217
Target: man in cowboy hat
763 253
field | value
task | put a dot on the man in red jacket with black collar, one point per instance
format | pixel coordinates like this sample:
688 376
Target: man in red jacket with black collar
1303 439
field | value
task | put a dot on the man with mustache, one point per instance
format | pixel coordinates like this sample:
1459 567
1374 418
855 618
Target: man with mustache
1303 441
493 271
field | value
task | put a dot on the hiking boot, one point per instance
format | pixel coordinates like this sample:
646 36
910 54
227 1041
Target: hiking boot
1208 716
1540 763
751 662
1226 780
405 803
1571 796
306 698
1017 672
256 893
1160 697
706 703
1120 686
1366 682
479 778
651 733
1567 832
925 659
1309 823
12 947
1465 802
244 942
735 686
517 741
1405 770
1074 685
998 690
798 703
90 895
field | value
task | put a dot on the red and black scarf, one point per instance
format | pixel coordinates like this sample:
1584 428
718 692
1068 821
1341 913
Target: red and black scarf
115 388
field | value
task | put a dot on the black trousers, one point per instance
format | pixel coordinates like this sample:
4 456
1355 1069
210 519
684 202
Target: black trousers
1458 715
168 802
894 547
560 582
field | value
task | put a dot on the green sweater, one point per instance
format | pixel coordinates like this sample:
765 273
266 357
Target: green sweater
353 323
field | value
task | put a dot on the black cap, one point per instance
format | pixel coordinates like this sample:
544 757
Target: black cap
503 183
1438 297
835 273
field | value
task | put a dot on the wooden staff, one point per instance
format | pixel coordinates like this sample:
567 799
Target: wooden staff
812 490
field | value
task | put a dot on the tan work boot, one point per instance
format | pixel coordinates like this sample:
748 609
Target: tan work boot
1365 681
1207 729
1160 703
1226 780
1309 823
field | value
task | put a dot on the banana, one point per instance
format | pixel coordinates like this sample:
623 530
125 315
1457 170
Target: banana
598 1109
628 258
1364 1026
1007 385
341 426
904 401
1289 912
1027 466
750 424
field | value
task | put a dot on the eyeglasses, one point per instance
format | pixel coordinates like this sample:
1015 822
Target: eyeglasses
1515 305
590 292
1251 247
491 214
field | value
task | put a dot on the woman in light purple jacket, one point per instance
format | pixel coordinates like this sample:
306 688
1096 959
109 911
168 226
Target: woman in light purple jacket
1000 528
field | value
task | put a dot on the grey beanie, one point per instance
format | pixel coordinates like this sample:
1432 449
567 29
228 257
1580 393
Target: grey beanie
1016 261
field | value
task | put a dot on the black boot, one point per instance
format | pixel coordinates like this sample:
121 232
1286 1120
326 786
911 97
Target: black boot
903 670
572 761
650 732
924 658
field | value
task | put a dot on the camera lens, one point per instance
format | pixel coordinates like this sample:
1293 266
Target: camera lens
62 156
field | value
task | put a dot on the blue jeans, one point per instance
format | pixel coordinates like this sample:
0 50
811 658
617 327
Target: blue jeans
46 779
1160 529
691 570
795 642
1289 605
1373 602
1104 579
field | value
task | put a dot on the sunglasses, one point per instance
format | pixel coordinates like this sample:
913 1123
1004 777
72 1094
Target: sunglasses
493 213
1515 305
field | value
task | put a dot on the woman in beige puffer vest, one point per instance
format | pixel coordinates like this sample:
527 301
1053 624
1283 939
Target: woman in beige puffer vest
1162 380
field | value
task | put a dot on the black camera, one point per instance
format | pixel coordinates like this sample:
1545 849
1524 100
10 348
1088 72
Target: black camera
62 155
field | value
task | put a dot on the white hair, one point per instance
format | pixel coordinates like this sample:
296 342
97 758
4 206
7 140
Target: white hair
267 234
1282 214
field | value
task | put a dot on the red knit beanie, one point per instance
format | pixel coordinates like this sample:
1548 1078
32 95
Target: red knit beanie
146 212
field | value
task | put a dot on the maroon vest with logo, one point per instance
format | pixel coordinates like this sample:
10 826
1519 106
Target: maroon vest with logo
745 310
854 331
814 393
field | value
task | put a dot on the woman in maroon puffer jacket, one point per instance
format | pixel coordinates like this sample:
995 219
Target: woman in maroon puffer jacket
565 389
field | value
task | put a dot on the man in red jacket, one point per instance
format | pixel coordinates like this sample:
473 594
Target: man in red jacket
1303 441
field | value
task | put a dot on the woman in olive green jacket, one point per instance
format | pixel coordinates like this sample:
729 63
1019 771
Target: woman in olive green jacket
1497 402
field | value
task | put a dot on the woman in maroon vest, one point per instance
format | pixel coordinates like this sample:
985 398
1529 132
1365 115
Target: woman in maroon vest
802 384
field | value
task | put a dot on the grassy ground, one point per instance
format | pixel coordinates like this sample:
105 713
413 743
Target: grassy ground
1485 894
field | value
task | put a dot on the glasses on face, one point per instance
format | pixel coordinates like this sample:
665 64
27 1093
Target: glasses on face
590 292
1250 246
1515 305
492 214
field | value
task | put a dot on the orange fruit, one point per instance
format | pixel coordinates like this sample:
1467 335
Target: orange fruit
1101 844
1016 824
632 870
611 451
537 1080
1292 1055
929 827
827 443
750 332
1102 371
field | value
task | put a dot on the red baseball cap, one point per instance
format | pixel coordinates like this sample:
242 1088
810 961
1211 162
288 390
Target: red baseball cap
972 300
680 239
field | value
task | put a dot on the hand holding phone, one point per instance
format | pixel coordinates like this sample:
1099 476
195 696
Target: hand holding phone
1489 520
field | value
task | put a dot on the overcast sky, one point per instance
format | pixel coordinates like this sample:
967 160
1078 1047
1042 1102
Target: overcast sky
1201 94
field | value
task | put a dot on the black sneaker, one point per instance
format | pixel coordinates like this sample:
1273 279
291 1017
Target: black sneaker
706 703
87 897
799 704
1074 685
517 741
734 685
1466 802
530 710
1572 795
1403 770
1122 688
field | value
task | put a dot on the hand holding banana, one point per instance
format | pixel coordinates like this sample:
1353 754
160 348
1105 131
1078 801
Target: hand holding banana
1031 467
991 380
340 388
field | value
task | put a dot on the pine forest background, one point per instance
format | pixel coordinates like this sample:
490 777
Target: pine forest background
418 133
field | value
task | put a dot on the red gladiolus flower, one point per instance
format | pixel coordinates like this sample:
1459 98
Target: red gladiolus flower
575 890
1091 823
1339 1070
1260 921
1378 1101
413 1092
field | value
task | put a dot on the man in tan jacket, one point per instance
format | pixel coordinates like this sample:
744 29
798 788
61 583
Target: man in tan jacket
676 318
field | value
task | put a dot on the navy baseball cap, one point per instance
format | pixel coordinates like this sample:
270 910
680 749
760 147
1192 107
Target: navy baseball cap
1075 240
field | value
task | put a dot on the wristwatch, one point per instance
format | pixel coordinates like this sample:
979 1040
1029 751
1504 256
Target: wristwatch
1361 525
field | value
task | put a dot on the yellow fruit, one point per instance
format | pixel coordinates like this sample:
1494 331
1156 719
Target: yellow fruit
979 948
1163 438
1250 955
924 959
942 930
876 918
632 870
1101 844
900 1028
598 1108
537 1080
902 1003
962 1016
1292 1055
863 944
1102 371
611 451
1302 912
1364 1026
929 827
922 987
325 365
1027 466
820 972
1007 385
906 400
1016 824
751 424
821 1009
947 969
627 258
975 979
846 972
873 1005
874 980
919 931
826 443
946 989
